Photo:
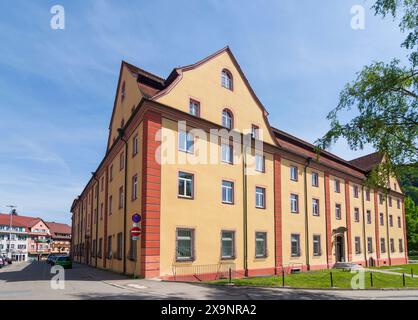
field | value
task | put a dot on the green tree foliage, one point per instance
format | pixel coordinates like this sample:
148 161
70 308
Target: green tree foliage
385 98
411 216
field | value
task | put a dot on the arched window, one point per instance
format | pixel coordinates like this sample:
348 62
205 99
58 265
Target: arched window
227 119
226 79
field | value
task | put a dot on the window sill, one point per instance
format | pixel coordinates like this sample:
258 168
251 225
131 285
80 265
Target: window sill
262 208
185 260
227 258
228 203
185 197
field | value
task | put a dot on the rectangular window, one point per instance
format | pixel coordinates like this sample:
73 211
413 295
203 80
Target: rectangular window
133 249
295 245
121 197
399 222
370 245
294 203
185 244
134 187
122 161
293 173
109 247
255 132
260 244
259 163
101 211
392 245
186 141
227 153
368 195
93 251
185 185
119 246
260 197
315 207
369 217
355 191
102 184
338 211
194 108
390 201
315 179
317 245
382 221
110 205
380 198
111 173
357 245
390 220
382 245
356 215
400 245
337 187
227 244
135 145
398 203
227 192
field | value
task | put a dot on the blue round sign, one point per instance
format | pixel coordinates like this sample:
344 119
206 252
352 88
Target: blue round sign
136 217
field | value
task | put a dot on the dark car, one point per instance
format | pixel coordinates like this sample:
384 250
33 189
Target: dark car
51 258
64 261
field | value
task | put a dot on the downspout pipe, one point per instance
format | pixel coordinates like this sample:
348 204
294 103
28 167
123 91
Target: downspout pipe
122 137
387 227
97 213
364 227
307 164
247 138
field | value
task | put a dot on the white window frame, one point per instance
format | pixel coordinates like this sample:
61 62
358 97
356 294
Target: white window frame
228 186
260 197
185 141
227 153
186 181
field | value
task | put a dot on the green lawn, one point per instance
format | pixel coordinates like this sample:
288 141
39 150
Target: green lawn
405 268
413 257
321 279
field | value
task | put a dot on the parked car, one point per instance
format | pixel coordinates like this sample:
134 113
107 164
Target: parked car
6 260
51 259
9 260
64 261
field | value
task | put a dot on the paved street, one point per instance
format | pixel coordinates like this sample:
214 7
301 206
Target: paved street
32 281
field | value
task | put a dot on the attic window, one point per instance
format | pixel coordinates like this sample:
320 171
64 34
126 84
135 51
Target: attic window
123 91
226 79
227 119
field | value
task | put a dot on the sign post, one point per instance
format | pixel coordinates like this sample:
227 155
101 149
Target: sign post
136 232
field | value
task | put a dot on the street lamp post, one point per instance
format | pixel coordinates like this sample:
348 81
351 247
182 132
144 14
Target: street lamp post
12 211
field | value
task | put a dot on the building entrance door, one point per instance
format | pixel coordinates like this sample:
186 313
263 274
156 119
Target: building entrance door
339 249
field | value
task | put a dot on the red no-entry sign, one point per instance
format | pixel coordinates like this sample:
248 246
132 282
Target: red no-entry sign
135 231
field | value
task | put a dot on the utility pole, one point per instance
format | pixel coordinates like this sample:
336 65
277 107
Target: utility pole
12 211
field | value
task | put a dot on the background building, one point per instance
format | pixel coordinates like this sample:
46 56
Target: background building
13 238
293 211
60 237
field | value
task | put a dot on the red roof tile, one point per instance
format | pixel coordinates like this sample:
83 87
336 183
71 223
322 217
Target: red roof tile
368 162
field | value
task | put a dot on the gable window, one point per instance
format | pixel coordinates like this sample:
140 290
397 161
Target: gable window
122 161
315 179
260 244
315 207
382 222
260 197
317 245
368 195
294 173
121 196
227 153
357 245
134 187
186 141
259 163
294 203
369 217
295 245
227 245
185 244
135 145
355 191
185 185
338 211
356 215
227 192
370 245
337 187
226 79
194 108
255 132
227 119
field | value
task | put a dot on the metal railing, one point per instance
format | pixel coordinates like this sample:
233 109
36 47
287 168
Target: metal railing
207 272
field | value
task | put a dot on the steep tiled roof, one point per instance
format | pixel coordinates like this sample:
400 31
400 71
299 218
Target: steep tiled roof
5 221
58 228
368 162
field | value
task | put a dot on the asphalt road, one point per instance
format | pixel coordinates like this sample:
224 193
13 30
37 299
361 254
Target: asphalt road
28 281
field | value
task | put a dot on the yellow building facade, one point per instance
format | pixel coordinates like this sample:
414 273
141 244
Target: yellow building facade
217 187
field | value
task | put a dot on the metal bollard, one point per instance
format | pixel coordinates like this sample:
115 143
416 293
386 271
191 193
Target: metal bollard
403 279
331 279
230 275
282 278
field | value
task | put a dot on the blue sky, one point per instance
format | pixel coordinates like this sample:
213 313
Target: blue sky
57 86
